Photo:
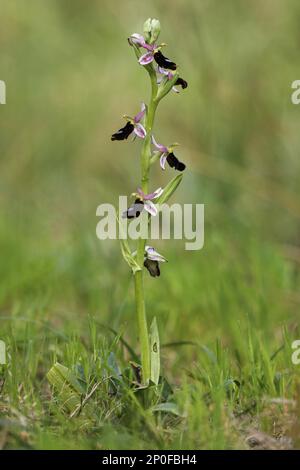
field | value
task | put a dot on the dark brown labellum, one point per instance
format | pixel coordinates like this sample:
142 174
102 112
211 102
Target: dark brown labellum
134 210
124 132
163 61
153 267
137 370
174 162
182 82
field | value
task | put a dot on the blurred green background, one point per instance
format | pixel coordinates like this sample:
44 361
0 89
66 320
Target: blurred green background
70 76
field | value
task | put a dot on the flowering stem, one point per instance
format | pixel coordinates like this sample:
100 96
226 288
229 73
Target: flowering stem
138 277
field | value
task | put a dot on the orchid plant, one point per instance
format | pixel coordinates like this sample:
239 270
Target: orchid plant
71 383
164 77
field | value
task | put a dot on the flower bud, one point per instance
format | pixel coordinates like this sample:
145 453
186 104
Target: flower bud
151 30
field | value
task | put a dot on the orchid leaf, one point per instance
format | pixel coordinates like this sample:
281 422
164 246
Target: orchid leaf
67 386
168 407
125 250
154 352
170 189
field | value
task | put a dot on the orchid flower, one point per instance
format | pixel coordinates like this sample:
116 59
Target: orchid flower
132 125
167 73
168 156
152 260
143 201
149 206
153 52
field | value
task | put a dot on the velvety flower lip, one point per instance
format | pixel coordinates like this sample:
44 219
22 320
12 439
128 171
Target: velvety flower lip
183 83
168 156
124 132
132 125
152 260
134 210
163 61
152 267
175 163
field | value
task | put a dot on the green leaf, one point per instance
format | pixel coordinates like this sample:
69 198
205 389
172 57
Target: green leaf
68 387
125 250
170 189
168 407
154 352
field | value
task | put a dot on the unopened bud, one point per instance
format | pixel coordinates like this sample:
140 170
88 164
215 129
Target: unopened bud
151 30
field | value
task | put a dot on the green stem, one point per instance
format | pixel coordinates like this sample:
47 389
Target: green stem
138 277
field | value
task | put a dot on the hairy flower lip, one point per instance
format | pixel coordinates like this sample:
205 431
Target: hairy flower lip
134 210
163 61
124 132
173 162
153 267
183 83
